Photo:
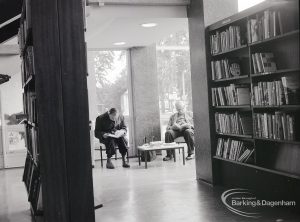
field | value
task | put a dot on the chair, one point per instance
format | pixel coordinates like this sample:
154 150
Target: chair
116 155
179 140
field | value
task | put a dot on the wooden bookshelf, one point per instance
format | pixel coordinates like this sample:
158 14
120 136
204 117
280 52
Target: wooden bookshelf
54 132
249 137
32 176
243 107
258 168
285 47
232 79
291 34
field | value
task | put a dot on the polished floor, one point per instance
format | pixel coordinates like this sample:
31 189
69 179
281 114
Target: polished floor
165 192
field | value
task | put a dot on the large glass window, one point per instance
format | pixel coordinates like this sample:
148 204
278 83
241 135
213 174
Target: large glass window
111 75
174 75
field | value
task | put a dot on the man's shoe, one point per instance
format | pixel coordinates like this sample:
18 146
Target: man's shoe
190 157
167 158
126 165
109 165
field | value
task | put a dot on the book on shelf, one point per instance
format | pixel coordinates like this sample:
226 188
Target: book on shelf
231 95
225 68
30 106
263 62
291 89
264 26
233 123
278 126
234 150
32 180
31 143
268 94
226 40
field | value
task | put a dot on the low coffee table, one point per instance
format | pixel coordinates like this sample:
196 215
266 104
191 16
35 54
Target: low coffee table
146 149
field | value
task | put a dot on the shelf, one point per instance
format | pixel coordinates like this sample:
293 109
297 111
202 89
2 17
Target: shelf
236 135
278 37
233 107
32 159
28 81
278 72
282 107
278 141
31 124
231 79
231 50
258 168
28 42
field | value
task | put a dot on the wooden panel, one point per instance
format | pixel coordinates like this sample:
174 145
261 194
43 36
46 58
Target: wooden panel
63 110
76 113
202 115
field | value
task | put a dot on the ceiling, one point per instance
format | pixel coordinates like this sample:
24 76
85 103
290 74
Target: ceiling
110 24
9 10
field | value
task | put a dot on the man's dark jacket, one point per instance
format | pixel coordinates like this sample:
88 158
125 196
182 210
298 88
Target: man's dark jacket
105 125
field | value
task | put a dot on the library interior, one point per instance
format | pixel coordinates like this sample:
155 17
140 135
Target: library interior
149 110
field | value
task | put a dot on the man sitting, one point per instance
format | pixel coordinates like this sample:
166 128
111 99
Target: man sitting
180 124
110 129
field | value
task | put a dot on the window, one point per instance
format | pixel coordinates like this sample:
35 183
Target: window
174 75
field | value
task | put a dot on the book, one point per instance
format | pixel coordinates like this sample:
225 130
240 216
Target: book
235 150
264 26
268 94
277 125
226 40
231 95
226 68
233 123
291 89
117 134
263 62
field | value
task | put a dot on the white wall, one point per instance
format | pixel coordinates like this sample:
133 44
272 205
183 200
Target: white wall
218 9
10 93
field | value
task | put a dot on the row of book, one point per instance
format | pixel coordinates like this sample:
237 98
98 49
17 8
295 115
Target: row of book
32 180
25 26
264 26
22 35
30 106
231 95
279 92
32 143
263 62
27 65
279 126
225 68
233 150
233 123
226 40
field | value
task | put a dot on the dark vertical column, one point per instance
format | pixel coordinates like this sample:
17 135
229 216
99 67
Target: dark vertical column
61 86
144 83
202 115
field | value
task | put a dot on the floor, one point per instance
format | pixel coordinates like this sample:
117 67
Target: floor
165 192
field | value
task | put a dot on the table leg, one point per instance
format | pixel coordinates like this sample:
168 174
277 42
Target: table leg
174 152
145 155
139 156
183 156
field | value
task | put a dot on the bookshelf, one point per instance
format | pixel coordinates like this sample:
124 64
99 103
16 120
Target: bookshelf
57 173
268 41
32 171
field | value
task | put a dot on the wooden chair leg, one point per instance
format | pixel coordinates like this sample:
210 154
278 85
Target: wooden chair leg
127 156
101 157
116 155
